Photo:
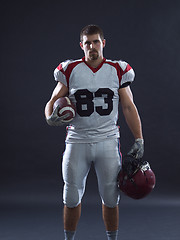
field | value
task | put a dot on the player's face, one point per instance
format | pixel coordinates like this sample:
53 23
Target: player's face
92 45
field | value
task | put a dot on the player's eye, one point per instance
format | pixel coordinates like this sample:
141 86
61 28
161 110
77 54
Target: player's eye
87 43
96 41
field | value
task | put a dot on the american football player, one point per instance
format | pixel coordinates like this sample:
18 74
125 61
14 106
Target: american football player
95 85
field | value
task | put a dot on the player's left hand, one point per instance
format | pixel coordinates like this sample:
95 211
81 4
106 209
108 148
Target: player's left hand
137 150
55 120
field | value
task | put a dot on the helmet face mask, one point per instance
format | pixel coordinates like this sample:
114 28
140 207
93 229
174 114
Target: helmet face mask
136 179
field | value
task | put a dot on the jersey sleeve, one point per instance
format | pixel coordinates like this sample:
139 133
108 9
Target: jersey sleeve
60 72
127 74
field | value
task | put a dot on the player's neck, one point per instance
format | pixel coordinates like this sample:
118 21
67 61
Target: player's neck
94 63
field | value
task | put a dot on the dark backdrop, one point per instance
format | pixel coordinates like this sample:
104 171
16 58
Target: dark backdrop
35 37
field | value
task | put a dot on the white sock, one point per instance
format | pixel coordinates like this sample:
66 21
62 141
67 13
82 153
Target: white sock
112 235
69 235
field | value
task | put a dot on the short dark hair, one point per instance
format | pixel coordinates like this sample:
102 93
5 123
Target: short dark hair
90 30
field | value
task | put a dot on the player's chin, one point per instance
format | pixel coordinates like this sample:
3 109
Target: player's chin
94 56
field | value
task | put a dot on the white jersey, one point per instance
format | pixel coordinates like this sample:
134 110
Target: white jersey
94 92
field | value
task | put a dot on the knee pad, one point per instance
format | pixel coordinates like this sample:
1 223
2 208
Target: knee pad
71 195
110 195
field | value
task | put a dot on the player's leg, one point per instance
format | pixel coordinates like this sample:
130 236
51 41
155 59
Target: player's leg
75 169
107 167
111 221
71 217
110 217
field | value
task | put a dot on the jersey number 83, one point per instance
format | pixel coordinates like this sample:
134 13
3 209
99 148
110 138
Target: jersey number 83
85 101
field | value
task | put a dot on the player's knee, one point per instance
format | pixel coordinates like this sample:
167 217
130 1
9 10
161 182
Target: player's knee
71 196
110 195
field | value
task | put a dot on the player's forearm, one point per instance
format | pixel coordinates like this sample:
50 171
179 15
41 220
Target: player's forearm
60 91
48 109
133 121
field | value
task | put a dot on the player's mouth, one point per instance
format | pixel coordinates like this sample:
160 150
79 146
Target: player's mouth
93 51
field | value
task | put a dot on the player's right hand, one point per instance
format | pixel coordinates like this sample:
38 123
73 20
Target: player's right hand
55 120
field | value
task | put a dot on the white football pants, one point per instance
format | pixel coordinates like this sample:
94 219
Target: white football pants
77 160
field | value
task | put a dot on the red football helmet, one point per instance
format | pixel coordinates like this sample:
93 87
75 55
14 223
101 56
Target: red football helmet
136 179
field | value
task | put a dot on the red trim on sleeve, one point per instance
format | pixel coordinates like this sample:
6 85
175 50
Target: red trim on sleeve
60 68
127 69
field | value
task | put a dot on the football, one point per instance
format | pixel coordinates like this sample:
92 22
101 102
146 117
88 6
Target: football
65 106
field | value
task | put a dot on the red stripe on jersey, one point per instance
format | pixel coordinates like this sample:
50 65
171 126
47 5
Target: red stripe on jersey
94 69
119 70
68 70
127 69
60 68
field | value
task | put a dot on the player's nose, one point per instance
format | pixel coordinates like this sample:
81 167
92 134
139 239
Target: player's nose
92 45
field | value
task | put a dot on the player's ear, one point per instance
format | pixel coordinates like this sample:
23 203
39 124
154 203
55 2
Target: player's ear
104 42
81 45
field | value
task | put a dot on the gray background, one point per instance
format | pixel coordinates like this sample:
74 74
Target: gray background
35 38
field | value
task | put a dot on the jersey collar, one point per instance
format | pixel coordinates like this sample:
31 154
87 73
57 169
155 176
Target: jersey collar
94 69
